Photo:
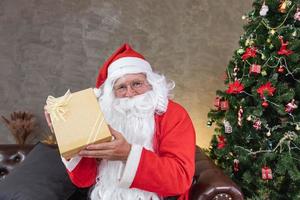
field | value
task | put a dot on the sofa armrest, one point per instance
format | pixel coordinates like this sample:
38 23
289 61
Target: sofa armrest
211 182
11 155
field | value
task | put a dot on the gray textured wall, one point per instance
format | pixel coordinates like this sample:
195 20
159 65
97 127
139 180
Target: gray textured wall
48 46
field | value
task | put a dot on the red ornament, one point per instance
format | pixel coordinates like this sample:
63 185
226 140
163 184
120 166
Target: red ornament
235 88
236 165
221 141
254 68
283 49
217 102
224 105
266 89
291 106
265 104
280 69
266 173
249 53
221 104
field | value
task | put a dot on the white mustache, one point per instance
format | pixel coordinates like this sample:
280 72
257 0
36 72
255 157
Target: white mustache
138 105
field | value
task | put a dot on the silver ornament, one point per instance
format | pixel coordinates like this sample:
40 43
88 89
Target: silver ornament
264 9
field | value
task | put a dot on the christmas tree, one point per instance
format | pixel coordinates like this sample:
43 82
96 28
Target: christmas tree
257 119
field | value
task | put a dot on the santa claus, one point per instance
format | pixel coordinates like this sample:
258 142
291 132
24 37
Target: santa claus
152 154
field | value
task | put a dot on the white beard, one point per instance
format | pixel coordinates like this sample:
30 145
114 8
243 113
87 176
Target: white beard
134 118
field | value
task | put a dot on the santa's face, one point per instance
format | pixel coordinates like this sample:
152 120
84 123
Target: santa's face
129 104
131 85
131 109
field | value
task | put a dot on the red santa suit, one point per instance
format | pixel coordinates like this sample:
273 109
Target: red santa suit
168 171
166 168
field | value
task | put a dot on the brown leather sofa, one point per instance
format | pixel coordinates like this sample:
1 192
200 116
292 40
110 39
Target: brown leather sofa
210 183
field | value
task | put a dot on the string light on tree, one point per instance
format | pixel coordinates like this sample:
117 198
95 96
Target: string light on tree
270 145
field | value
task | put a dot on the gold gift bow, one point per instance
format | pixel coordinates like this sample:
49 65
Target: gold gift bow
56 107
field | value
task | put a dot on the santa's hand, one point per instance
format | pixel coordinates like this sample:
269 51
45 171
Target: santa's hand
118 149
48 119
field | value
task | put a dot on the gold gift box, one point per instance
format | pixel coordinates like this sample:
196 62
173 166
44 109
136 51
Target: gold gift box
77 121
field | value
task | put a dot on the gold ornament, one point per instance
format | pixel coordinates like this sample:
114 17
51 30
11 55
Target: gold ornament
263 73
240 51
283 6
294 34
247 42
209 123
297 127
249 118
272 31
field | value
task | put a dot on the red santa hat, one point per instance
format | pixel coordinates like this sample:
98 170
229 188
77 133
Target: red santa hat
123 61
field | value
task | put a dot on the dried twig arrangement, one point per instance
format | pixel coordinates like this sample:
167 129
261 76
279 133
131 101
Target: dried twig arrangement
49 139
21 125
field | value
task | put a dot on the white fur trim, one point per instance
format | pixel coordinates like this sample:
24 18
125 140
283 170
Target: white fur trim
131 166
72 163
128 65
97 92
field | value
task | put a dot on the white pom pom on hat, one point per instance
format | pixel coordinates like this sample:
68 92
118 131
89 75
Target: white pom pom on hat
97 92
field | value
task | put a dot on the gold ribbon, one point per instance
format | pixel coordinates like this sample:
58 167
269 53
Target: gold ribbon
56 107
96 129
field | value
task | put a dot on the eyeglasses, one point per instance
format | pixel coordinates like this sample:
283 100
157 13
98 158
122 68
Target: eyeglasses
137 86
